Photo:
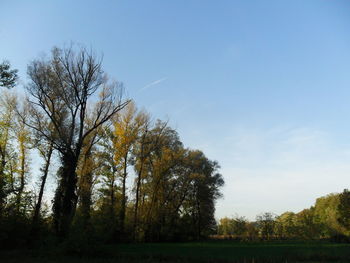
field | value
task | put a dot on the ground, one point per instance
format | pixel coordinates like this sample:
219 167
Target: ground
210 251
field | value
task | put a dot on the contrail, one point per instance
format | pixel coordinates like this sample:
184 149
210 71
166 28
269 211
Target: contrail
152 84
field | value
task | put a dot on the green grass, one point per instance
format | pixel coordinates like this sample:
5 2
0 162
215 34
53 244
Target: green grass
210 251
236 251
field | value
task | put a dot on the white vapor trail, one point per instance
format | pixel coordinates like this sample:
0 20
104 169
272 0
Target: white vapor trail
152 84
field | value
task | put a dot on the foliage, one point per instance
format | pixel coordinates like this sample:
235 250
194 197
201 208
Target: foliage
344 210
120 176
8 76
328 219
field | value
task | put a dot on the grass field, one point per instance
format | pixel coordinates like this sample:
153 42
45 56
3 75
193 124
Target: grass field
210 251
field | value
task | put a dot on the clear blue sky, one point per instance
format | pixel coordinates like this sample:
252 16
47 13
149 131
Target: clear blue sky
263 87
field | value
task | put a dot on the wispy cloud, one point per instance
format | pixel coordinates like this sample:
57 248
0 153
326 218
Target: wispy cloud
277 168
156 82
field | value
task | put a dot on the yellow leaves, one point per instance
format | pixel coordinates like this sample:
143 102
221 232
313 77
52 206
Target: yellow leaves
125 132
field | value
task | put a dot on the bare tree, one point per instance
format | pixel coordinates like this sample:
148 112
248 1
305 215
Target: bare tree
61 89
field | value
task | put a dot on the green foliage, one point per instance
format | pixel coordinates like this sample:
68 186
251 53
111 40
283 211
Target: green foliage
8 76
328 219
266 225
344 210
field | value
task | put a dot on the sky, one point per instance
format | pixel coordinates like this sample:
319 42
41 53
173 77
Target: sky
263 87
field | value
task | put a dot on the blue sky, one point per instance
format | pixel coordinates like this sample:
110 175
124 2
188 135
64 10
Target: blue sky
263 87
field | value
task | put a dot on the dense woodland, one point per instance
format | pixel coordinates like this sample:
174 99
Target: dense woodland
329 218
78 161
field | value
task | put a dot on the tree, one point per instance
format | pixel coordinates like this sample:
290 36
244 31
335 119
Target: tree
203 193
126 129
141 152
61 90
7 116
286 225
266 225
162 171
8 76
326 214
108 190
239 225
23 135
86 170
46 151
225 226
306 225
344 210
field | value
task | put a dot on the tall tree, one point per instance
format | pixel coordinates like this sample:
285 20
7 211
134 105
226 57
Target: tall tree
141 152
86 170
23 137
62 89
46 151
126 128
108 173
166 156
7 116
203 193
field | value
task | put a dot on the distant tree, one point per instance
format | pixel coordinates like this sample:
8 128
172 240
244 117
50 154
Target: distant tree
326 214
285 226
344 210
239 225
225 226
266 225
8 76
306 225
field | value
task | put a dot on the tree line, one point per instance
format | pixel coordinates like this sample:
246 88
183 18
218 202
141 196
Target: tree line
120 175
329 218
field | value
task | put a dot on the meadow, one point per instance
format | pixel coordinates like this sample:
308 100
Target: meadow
208 251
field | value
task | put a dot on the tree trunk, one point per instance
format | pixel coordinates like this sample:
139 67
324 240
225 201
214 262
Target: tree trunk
41 192
85 198
65 197
22 175
3 162
123 201
199 218
138 186
2 184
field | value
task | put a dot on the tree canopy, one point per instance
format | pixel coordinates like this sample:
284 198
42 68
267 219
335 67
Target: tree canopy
8 76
